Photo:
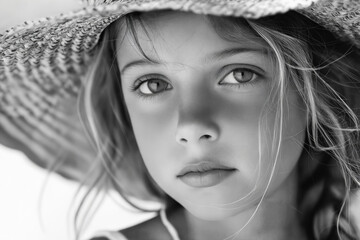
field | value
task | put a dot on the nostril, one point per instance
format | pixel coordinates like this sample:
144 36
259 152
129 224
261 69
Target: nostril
195 138
206 136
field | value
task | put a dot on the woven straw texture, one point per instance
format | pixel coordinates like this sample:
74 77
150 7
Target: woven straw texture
42 63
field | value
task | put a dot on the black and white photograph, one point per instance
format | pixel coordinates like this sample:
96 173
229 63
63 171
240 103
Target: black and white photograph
180 119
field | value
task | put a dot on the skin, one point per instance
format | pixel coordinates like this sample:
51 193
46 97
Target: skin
203 113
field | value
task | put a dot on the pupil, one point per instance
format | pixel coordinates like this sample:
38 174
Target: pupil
243 75
156 85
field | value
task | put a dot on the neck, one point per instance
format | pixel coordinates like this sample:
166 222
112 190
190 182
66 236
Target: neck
275 219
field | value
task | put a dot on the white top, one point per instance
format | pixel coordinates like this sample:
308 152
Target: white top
111 235
115 235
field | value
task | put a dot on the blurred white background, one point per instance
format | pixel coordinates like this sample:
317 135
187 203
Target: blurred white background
14 12
21 182
27 213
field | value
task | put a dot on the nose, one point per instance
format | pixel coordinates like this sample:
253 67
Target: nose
196 133
196 125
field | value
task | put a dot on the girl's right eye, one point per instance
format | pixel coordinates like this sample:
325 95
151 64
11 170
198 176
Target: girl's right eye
151 86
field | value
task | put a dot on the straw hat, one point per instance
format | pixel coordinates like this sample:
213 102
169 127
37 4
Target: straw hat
42 63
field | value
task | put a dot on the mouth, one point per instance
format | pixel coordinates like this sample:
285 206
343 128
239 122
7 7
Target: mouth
205 174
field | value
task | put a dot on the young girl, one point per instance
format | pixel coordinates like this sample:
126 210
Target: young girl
240 128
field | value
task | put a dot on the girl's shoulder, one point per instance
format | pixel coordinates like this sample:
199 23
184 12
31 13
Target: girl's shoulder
152 229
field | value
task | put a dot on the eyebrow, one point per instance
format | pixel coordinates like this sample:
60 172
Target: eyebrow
141 62
217 56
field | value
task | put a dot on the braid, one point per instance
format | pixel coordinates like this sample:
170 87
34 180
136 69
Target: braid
321 198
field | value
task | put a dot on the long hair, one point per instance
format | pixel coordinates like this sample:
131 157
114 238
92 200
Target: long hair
324 73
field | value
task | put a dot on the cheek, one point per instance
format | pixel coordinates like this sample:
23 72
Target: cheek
294 132
240 124
254 133
155 137
292 139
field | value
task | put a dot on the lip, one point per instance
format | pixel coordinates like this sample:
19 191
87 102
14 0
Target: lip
205 174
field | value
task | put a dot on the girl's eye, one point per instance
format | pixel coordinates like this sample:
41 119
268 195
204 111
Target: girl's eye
239 75
152 86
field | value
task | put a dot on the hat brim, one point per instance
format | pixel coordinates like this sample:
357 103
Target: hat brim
42 64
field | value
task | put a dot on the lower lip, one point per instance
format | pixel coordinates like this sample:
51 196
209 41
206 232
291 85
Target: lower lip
206 179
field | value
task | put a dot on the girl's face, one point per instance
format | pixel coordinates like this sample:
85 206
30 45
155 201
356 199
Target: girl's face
196 111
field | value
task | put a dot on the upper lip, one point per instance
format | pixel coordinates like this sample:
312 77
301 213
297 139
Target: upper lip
202 166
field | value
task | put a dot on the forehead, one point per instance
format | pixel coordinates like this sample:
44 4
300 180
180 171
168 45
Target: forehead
177 36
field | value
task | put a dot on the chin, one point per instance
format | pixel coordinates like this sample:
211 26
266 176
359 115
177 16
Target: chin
210 213
215 212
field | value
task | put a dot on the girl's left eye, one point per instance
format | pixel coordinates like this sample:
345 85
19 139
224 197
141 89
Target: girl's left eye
151 85
239 76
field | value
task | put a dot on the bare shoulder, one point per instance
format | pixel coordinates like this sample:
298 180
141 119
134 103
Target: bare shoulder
152 229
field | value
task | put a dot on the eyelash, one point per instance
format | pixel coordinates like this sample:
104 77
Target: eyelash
252 82
136 86
142 80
